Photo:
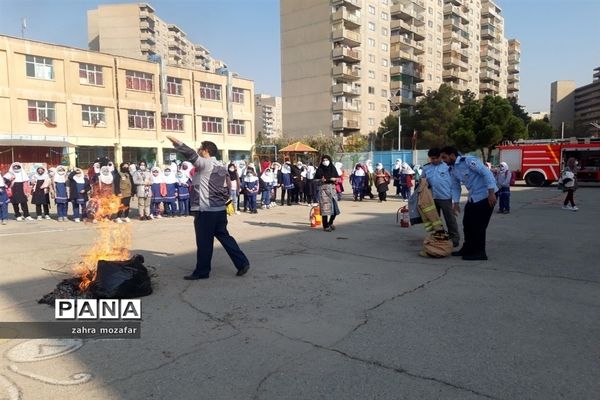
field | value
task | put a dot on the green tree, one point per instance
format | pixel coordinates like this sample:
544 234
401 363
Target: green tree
540 129
519 111
435 115
464 129
496 113
356 143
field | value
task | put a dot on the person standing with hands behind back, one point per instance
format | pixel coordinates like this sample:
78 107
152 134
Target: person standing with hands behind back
327 175
209 193
481 184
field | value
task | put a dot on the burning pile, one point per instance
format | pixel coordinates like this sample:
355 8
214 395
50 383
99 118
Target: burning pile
108 270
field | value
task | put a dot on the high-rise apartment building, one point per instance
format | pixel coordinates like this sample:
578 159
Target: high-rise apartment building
344 62
562 104
267 115
134 30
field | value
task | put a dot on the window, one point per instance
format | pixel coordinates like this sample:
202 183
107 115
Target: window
371 74
93 116
39 111
371 42
174 86
139 119
371 121
371 90
429 50
384 62
430 10
384 1
384 78
39 67
371 26
384 108
384 46
90 74
212 125
372 58
172 122
237 127
429 77
237 95
430 24
135 80
384 16
371 106
384 93
210 91
371 10
384 31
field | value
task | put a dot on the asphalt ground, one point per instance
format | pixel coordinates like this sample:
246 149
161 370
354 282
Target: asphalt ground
351 314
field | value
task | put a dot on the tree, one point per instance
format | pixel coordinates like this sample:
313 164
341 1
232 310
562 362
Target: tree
435 114
356 143
496 115
464 129
519 111
540 129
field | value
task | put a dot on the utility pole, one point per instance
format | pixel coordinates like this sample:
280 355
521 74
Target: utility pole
399 122
23 27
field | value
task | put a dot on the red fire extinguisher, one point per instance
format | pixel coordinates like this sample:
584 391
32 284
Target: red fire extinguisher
315 216
403 217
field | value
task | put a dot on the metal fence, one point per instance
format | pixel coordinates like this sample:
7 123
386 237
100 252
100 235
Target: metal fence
387 158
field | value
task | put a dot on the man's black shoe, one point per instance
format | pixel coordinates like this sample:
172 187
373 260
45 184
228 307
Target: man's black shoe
458 253
475 257
243 271
195 277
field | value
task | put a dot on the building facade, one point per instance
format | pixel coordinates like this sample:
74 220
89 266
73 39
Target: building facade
562 106
61 104
267 116
134 30
587 107
346 64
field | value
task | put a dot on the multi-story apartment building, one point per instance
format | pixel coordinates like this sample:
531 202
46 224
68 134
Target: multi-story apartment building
267 115
344 62
134 30
61 104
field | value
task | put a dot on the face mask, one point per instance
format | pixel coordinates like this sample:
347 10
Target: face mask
40 171
142 167
326 163
17 169
167 173
379 168
231 169
125 169
60 172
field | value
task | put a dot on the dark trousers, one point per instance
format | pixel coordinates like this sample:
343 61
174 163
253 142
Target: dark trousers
170 208
289 195
475 222
208 226
124 209
570 198
445 205
382 196
61 209
79 210
184 206
25 208
251 201
38 209
328 220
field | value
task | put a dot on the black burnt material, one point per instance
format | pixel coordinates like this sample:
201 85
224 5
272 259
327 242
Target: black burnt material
114 280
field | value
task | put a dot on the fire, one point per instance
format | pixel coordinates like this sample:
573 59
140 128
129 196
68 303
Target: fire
112 243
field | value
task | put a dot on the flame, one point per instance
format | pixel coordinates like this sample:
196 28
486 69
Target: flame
113 241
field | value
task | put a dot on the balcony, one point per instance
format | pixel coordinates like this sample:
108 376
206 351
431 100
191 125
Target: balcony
347 37
513 78
345 123
350 20
488 33
489 76
345 74
455 74
514 58
513 87
412 14
488 87
397 53
343 89
403 101
147 25
449 9
405 44
454 61
418 32
407 70
345 106
490 65
456 49
345 54
145 46
350 4
457 38
489 53
513 68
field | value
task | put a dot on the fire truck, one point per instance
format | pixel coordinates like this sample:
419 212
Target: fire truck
540 162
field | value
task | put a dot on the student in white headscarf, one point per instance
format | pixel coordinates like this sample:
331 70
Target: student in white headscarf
17 181
266 185
61 195
79 188
397 173
503 178
158 191
170 198
40 193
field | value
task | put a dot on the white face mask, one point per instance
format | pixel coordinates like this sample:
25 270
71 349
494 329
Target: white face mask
167 173
326 163
142 167
379 168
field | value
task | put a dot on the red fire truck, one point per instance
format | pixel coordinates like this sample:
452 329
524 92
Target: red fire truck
539 162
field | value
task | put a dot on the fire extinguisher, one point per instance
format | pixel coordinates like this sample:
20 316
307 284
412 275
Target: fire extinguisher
315 216
403 217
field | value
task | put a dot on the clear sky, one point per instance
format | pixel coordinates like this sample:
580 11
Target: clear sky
560 39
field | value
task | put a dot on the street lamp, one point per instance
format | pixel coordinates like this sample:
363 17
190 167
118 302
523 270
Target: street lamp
392 102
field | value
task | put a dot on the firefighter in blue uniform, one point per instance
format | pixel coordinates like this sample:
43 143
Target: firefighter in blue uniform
481 184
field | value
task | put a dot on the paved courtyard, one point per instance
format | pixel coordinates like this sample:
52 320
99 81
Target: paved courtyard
352 314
